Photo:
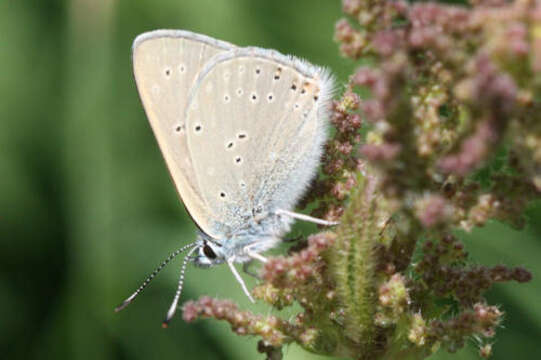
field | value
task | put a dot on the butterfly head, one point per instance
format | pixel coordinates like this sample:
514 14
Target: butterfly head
209 253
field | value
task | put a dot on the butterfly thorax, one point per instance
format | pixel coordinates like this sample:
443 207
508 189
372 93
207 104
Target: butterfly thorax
257 235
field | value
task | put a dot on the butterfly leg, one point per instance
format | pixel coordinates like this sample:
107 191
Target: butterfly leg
239 279
245 268
293 239
306 218
254 255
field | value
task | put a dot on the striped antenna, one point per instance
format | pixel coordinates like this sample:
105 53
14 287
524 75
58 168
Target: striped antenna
173 255
173 307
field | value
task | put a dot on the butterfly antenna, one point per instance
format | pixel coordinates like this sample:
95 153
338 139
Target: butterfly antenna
173 307
239 279
173 255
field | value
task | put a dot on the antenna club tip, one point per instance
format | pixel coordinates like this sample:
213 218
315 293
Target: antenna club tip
165 324
122 306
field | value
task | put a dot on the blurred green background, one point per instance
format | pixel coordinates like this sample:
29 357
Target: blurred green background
87 208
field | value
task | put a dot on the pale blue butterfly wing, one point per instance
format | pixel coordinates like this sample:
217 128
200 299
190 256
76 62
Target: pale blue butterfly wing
256 122
166 64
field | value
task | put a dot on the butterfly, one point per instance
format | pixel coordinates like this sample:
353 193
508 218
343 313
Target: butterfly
241 130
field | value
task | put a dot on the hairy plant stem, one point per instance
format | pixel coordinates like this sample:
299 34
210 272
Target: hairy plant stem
353 263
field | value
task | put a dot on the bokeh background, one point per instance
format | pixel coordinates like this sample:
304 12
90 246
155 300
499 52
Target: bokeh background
87 208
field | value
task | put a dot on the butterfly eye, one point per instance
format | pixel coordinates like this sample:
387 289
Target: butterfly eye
207 250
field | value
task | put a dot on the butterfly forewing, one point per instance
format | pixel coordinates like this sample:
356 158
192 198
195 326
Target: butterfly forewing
255 125
166 63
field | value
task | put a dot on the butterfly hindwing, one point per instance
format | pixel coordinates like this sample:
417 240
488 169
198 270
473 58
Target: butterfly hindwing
255 125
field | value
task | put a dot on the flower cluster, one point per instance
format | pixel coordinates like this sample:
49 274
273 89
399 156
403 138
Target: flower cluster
482 320
340 161
242 322
443 273
438 131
